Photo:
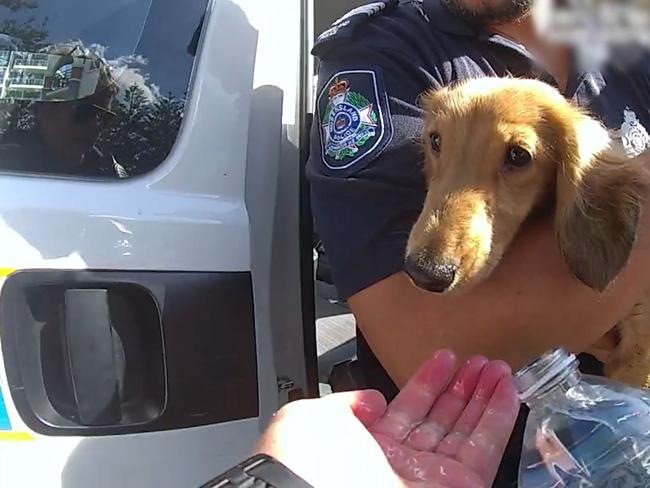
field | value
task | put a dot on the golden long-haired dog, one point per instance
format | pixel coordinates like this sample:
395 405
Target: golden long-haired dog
496 151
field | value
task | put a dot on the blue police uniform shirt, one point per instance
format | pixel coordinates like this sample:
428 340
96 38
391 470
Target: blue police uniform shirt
367 186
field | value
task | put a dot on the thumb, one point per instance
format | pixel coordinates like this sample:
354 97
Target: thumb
366 405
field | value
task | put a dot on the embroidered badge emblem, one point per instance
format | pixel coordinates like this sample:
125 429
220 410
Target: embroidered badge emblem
634 136
354 119
349 121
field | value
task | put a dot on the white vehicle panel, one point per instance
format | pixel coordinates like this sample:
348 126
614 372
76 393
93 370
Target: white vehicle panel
189 214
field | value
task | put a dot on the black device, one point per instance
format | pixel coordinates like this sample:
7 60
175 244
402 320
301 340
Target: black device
259 471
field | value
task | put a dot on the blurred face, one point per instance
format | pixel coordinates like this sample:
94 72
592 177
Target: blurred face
73 127
489 11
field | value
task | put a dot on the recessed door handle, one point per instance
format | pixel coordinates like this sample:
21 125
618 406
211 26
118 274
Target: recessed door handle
91 357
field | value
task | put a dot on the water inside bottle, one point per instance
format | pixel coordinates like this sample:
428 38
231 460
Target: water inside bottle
582 431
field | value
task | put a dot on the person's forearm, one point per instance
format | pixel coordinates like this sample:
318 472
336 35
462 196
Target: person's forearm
530 304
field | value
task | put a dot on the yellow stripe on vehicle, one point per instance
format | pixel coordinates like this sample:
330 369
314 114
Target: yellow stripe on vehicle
16 437
6 434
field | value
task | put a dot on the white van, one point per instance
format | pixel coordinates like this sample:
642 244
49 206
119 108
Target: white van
156 246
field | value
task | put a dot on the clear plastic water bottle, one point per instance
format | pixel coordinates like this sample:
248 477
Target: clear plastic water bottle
582 431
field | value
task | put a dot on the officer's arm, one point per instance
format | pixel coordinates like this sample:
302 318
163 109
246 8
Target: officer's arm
529 304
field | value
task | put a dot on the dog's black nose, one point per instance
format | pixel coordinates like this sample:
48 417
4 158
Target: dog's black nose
435 277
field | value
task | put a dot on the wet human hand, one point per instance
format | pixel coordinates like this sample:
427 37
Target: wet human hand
447 429
442 430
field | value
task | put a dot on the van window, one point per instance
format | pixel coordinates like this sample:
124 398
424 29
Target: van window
94 88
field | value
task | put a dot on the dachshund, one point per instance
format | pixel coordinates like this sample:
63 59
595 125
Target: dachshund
496 152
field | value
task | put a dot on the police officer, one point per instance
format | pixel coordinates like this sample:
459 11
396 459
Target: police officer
368 189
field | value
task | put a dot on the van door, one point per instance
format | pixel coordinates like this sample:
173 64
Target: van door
142 342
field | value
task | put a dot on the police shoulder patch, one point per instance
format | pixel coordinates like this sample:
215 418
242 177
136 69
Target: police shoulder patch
354 118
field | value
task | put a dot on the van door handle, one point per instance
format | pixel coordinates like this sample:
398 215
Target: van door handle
91 356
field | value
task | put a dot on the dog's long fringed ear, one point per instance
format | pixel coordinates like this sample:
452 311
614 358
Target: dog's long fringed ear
600 194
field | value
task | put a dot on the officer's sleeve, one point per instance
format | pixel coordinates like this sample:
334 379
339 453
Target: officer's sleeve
365 170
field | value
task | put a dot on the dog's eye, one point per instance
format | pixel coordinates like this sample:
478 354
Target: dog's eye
517 158
435 142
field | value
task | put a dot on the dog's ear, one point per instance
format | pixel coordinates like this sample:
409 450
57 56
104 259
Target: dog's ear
599 197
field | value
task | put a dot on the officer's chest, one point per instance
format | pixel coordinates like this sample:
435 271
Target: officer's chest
619 99
622 102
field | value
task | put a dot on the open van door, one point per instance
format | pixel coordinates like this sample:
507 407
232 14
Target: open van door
153 259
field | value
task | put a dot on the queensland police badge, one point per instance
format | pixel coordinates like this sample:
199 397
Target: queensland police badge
352 118
349 121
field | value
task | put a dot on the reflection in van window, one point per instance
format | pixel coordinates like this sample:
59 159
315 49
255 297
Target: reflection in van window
94 88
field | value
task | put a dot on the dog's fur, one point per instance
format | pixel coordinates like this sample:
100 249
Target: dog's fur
476 203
